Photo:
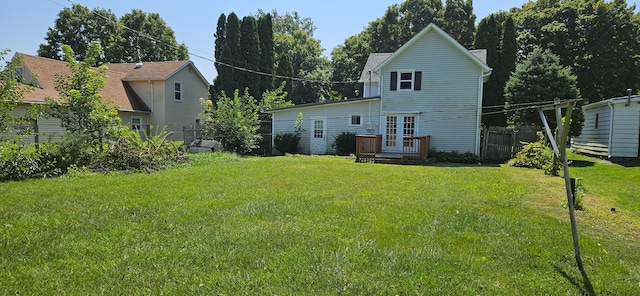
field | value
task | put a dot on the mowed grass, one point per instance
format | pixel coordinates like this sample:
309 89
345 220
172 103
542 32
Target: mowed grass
225 225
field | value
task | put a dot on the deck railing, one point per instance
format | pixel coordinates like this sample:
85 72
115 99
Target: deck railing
415 147
369 147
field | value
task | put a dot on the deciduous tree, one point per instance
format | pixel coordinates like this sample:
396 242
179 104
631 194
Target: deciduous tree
82 111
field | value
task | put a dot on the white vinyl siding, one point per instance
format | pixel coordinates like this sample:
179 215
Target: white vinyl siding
449 96
336 114
355 120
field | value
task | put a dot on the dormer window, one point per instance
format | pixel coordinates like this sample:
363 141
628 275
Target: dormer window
406 80
19 73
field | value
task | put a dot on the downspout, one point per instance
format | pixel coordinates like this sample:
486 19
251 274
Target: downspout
380 89
479 109
610 104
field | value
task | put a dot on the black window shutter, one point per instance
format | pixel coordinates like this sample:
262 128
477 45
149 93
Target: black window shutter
417 84
394 81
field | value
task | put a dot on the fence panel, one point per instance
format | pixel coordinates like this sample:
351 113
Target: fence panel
501 143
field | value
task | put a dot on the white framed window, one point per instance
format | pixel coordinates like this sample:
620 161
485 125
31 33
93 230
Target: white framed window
177 91
136 123
197 121
355 119
19 73
405 80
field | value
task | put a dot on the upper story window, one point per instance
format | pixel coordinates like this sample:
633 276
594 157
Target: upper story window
177 91
406 80
19 73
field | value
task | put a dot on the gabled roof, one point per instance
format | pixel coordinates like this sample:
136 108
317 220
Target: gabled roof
433 28
153 70
45 69
374 60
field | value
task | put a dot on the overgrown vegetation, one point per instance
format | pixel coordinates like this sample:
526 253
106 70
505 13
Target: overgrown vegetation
133 152
232 121
94 139
345 143
454 156
537 155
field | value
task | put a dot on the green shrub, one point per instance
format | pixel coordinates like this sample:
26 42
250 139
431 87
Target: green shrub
454 156
535 155
345 143
133 152
287 142
19 161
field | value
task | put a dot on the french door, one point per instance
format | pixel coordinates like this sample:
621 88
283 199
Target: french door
398 126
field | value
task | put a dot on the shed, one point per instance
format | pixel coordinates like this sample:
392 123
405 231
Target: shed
611 128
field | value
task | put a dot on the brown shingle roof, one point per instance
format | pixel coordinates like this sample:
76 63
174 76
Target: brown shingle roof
116 88
149 70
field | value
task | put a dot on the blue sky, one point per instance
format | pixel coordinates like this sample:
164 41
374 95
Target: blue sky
24 23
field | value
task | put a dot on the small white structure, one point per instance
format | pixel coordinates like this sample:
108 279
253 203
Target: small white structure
611 128
431 86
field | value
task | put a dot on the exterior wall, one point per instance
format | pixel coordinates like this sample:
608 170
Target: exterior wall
626 129
178 114
447 104
371 89
338 119
594 140
153 95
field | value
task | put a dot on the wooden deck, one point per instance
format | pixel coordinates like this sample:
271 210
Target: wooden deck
369 149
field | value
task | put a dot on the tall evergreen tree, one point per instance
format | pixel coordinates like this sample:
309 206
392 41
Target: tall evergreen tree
250 57
228 77
459 21
488 37
540 78
267 59
285 70
496 34
220 35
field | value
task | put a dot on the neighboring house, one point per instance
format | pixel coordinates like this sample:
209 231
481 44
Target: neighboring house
611 128
146 94
431 86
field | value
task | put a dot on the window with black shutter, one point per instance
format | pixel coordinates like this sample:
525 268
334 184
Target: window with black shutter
394 81
417 85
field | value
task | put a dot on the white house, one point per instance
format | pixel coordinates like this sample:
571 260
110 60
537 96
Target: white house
431 86
163 94
611 128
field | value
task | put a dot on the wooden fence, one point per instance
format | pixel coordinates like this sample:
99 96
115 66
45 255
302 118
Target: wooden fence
501 143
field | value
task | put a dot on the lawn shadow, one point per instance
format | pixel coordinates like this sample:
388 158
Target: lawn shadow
581 163
628 162
588 287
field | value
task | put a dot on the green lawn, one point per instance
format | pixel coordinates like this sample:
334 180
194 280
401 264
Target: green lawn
320 225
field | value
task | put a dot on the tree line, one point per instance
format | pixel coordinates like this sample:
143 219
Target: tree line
595 40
